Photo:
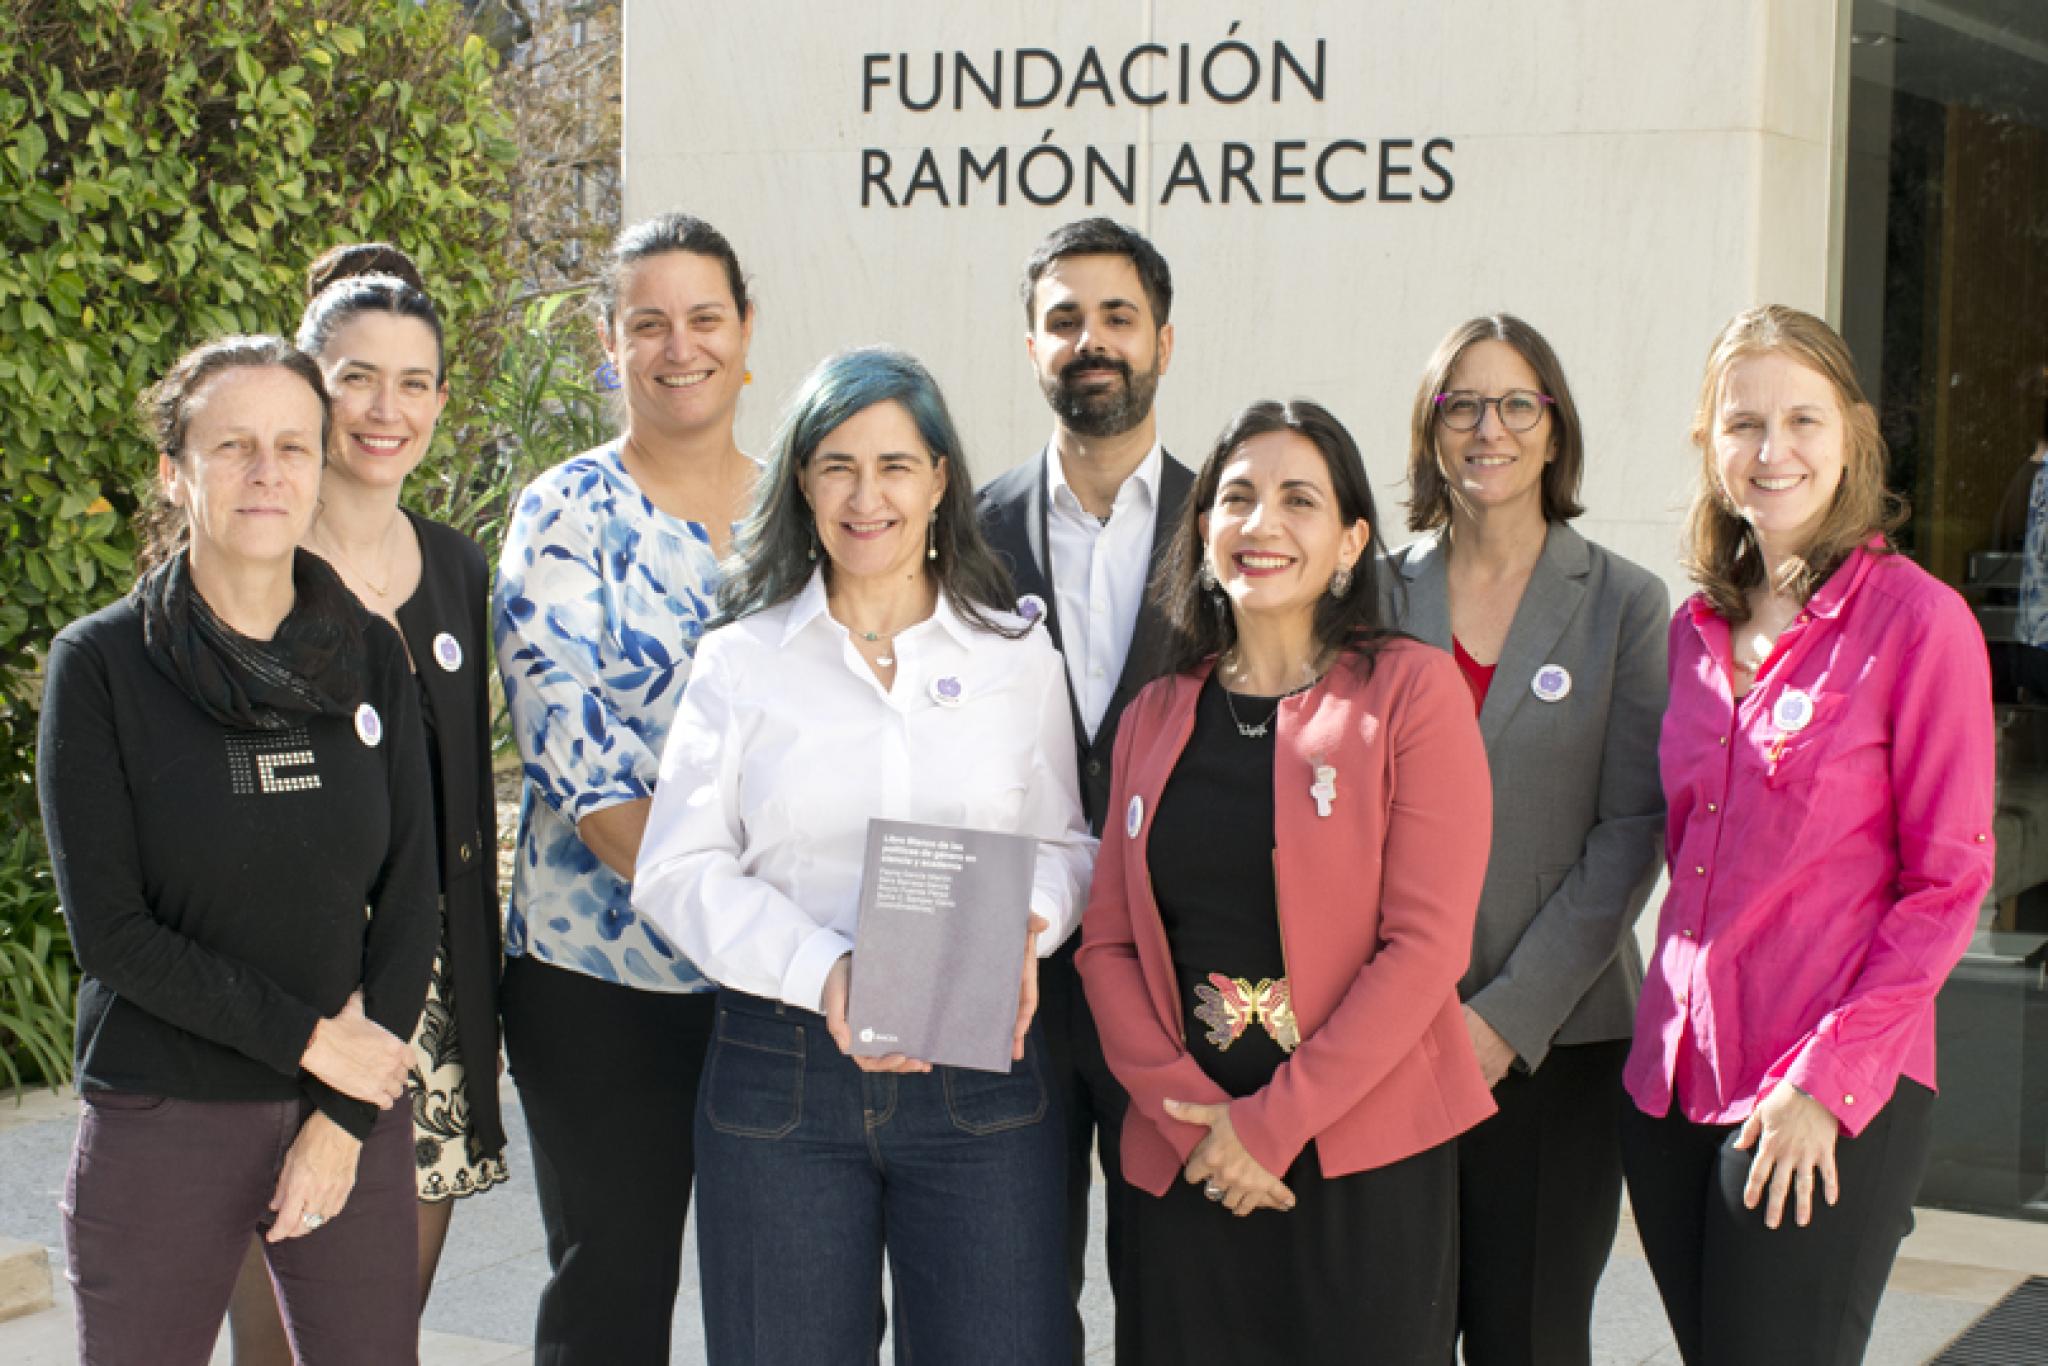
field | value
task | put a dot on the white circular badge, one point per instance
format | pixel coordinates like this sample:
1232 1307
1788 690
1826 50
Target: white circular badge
369 725
1134 817
447 652
1031 607
1792 711
1552 683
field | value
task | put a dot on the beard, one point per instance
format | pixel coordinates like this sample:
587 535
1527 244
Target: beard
1098 412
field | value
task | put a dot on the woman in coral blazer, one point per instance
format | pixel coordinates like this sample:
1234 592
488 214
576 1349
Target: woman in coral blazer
1281 911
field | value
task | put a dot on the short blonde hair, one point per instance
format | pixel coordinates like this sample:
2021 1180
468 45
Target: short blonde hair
1721 551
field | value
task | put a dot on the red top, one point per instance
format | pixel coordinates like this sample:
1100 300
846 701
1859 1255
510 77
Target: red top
1478 677
1830 842
1376 903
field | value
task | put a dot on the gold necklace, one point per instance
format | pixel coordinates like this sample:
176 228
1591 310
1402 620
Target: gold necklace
382 590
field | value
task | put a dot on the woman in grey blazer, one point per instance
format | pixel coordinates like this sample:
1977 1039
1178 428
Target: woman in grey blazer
1563 645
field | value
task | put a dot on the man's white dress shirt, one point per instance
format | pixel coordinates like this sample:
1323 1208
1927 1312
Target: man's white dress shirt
1099 571
786 743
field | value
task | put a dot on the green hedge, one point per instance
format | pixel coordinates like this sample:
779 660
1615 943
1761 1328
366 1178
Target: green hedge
166 172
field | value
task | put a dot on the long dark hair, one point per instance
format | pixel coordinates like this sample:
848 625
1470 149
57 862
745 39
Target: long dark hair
1199 620
166 412
775 545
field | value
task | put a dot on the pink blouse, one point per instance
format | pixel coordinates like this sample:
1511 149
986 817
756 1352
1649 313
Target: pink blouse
1829 841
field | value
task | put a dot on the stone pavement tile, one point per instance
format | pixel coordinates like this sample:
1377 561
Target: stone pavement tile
1912 1329
46 1339
33 1159
34 1107
1975 1285
1628 1319
2016 1245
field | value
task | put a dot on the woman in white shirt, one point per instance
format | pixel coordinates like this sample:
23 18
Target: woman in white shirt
870 670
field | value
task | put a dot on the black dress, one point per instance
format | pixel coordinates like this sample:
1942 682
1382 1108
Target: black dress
459 1136
1362 1268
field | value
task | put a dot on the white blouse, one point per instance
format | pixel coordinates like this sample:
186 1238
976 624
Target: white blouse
786 744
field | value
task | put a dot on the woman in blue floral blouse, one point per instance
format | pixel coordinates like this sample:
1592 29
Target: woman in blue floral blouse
608 577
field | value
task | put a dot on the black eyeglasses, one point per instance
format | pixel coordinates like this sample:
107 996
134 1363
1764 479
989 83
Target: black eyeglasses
1519 409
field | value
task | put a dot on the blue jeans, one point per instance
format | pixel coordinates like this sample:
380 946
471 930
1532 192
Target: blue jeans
806 1165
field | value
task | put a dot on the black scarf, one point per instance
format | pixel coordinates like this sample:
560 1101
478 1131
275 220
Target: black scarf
311 667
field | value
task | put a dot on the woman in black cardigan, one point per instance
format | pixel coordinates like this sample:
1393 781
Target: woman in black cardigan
377 339
234 787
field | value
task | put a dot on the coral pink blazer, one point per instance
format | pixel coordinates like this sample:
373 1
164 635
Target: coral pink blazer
1377 902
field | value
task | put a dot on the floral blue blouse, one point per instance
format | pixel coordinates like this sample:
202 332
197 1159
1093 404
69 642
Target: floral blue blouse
601 598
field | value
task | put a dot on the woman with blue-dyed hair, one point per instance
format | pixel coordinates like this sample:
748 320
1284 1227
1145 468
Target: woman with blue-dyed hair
609 575
871 669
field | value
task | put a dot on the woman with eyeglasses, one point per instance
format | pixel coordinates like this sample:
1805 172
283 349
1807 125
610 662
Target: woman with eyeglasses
1562 645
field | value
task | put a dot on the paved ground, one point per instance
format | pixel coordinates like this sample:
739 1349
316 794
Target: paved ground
482 1309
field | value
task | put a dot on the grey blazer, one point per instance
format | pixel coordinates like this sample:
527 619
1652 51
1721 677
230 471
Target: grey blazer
1578 811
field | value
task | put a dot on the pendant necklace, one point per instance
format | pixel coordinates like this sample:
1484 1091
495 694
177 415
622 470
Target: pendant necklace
1257 732
885 639
888 659
1260 730
382 590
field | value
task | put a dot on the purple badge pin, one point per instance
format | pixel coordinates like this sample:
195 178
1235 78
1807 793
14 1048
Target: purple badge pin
1031 607
947 692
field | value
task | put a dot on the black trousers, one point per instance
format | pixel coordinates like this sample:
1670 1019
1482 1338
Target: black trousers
1094 1105
607 1076
1539 1197
1740 1294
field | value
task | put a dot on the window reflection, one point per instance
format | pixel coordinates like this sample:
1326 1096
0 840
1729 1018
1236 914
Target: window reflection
1945 301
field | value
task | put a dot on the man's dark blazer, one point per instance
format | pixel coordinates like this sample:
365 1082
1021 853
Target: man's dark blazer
1013 515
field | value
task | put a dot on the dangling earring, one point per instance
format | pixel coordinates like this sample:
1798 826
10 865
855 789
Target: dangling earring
1207 576
931 539
746 376
814 543
1340 582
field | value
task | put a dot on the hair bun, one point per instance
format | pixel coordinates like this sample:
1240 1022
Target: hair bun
351 259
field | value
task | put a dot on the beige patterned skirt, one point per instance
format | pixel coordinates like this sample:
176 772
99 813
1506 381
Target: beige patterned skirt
444 1147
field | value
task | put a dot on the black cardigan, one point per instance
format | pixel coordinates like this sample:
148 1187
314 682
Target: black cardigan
216 879
452 599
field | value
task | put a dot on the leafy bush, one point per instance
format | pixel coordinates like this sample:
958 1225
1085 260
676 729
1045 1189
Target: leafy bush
539 406
35 968
167 169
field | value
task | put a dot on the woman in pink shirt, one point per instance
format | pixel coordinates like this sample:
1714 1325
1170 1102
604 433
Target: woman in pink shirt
1827 767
